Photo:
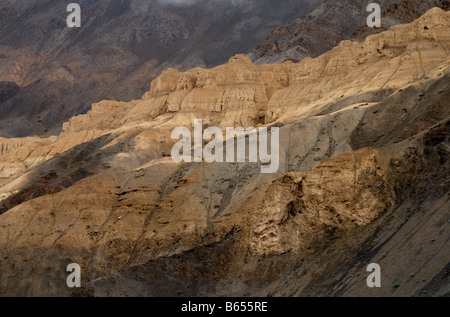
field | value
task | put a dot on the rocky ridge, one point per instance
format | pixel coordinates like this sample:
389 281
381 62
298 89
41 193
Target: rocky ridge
332 22
58 72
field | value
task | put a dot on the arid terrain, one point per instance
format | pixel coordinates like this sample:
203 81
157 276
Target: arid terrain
333 21
364 177
49 72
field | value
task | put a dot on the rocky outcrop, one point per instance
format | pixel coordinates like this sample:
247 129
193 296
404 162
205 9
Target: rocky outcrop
345 192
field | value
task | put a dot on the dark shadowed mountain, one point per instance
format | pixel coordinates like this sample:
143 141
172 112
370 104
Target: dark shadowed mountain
332 22
49 72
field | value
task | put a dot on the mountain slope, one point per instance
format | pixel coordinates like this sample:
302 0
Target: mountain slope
49 72
332 22
363 178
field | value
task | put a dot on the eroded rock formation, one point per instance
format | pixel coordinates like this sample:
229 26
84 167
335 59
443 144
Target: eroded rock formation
364 163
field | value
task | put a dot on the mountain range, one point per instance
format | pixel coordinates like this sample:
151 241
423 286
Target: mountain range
363 178
49 72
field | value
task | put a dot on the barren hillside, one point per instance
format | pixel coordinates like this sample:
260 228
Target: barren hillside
332 22
363 178
49 72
